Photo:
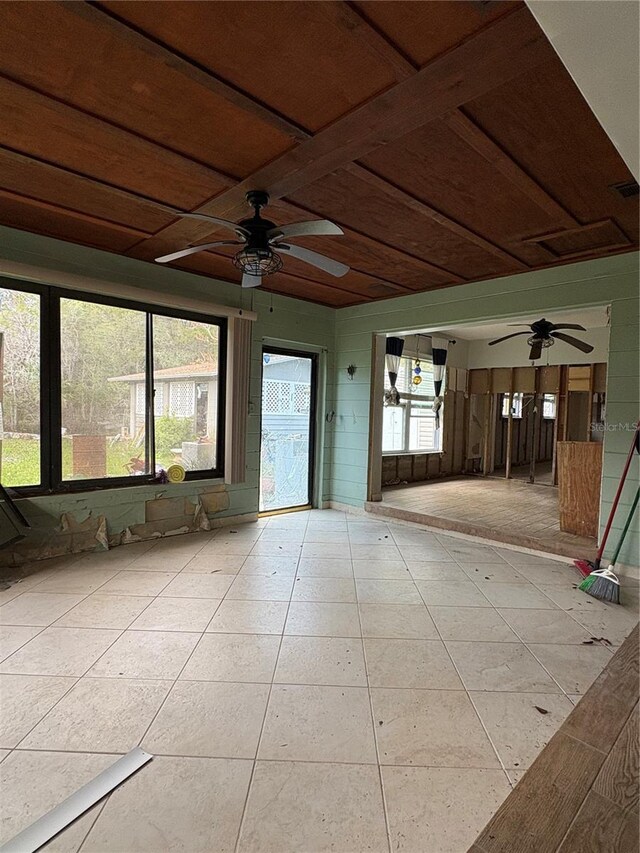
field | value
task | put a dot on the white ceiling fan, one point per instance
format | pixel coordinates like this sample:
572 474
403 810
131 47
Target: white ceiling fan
259 239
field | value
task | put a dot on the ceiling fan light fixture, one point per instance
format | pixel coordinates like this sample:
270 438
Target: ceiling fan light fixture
258 262
545 342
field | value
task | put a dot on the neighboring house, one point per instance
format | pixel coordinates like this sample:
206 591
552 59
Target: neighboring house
191 391
187 391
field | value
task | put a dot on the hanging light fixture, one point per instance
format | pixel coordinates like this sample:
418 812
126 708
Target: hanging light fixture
257 261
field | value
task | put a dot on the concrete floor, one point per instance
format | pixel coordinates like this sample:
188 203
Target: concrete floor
311 682
506 511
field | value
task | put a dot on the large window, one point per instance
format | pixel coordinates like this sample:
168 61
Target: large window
19 388
99 392
411 426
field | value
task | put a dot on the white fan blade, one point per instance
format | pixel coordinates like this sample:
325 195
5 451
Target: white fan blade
249 280
214 220
316 260
192 251
319 227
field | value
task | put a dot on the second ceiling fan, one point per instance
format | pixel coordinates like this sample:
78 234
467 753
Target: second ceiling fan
543 334
261 241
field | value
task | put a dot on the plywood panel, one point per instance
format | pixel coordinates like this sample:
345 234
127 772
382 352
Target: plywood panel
353 201
265 49
423 29
524 379
600 378
434 164
133 88
479 381
549 379
64 225
579 378
523 115
579 475
46 129
39 180
501 380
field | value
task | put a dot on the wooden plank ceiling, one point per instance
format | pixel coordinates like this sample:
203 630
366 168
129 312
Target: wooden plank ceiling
446 138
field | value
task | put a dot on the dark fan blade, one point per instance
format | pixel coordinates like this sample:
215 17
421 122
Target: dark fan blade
214 220
315 227
192 251
569 326
536 350
315 259
573 341
506 337
251 280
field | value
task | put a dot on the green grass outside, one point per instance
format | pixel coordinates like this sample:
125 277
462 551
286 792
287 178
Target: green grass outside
21 460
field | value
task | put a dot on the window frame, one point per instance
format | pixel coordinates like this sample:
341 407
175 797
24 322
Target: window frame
51 480
516 397
407 406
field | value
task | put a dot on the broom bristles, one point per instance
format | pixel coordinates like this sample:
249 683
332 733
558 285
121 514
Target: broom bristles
605 586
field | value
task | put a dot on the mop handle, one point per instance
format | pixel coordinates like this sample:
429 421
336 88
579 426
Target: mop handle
626 527
616 500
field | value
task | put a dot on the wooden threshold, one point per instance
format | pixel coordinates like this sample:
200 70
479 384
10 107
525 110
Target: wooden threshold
581 547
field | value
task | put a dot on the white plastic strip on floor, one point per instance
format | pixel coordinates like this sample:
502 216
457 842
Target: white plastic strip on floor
49 825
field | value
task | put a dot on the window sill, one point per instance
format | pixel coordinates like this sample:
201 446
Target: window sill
412 452
84 486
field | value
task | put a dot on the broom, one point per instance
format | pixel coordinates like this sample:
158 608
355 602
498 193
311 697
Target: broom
585 567
604 583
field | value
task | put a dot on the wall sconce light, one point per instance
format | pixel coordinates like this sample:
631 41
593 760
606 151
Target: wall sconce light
351 370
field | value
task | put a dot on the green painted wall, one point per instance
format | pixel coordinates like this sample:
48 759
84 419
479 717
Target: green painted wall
611 281
291 320
345 336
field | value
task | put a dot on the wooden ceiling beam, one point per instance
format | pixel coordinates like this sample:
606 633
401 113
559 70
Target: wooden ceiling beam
350 19
418 206
467 130
498 53
127 32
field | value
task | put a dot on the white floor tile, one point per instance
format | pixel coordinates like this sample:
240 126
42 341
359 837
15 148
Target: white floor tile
37 609
448 806
233 657
176 614
24 700
33 783
321 660
318 724
410 663
249 617
296 806
99 715
436 728
60 651
146 654
322 619
521 724
207 718
190 804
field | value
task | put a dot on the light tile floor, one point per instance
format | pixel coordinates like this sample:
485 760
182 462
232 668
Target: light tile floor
311 682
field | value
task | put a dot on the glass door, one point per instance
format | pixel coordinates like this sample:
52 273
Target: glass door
287 434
